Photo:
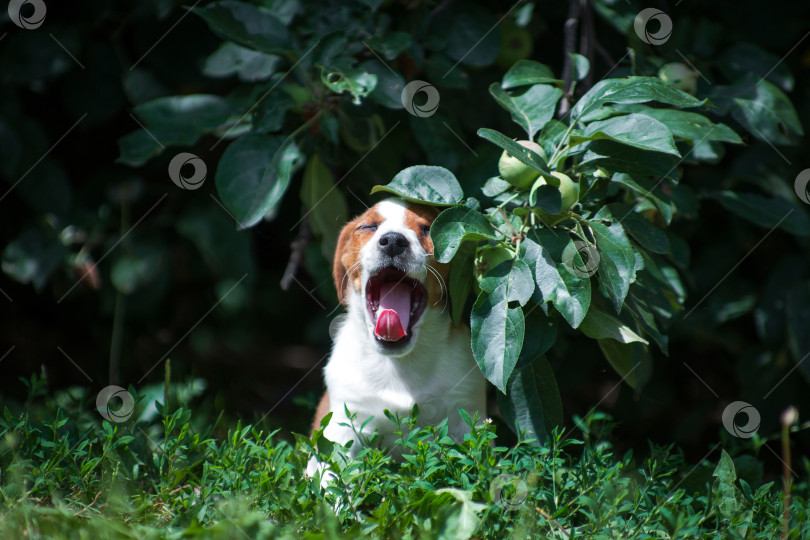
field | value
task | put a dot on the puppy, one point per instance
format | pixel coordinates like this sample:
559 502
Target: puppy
397 345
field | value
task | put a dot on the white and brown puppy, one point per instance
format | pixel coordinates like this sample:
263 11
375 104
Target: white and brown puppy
397 345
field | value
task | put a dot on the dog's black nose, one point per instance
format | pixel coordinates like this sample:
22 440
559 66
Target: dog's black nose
393 243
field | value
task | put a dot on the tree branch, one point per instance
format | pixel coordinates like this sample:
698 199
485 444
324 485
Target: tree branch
569 42
297 248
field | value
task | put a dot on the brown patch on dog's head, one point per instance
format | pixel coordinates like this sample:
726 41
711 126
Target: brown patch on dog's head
347 271
353 237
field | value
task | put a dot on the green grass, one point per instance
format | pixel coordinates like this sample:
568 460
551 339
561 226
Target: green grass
66 473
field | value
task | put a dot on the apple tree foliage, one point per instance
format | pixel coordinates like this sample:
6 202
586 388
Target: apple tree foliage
300 105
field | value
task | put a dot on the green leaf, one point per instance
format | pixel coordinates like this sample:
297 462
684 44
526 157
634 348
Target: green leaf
388 91
177 120
515 275
599 325
248 25
467 29
497 334
766 212
617 262
529 157
268 116
631 90
638 226
762 109
425 184
341 76
460 280
495 186
570 293
253 175
648 190
580 65
691 126
532 402
742 59
326 205
458 520
726 493
33 256
645 233
546 197
249 65
456 225
636 130
390 44
532 109
630 360
618 157
541 334
193 114
528 72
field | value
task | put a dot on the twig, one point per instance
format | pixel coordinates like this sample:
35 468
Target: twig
569 41
603 53
508 224
88 506
789 417
179 488
297 248
587 40
553 521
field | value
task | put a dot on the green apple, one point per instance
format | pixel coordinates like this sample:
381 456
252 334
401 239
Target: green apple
515 171
679 76
490 257
569 190
516 44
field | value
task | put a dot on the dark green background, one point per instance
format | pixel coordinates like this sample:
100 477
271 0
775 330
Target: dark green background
261 341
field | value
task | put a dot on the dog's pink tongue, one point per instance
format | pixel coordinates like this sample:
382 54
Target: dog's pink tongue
394 312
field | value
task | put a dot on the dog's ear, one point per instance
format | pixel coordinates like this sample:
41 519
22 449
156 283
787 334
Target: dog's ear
339 271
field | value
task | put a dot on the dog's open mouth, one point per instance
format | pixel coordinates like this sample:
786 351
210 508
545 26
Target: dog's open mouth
395 303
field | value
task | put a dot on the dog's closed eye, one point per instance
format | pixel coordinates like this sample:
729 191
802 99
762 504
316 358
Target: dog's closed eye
368 226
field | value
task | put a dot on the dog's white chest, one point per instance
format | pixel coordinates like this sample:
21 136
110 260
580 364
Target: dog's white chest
440 375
